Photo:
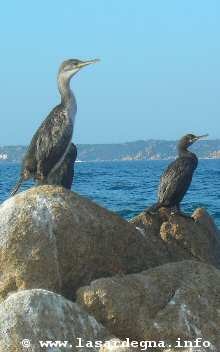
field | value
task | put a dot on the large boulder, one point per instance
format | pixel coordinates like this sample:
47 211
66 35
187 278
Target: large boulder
173 237
32 319
54 239
36 320
174 301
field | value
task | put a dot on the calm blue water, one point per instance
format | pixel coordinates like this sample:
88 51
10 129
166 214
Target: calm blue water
129 187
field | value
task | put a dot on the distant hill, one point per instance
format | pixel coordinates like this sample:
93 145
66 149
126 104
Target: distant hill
139 150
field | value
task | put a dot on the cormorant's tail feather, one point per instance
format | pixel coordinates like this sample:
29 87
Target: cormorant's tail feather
17 186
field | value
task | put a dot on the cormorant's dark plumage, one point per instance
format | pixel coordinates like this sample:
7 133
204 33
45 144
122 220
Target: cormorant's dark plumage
177 178
51 142
63 176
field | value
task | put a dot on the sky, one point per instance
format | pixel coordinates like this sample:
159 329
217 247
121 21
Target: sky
158 78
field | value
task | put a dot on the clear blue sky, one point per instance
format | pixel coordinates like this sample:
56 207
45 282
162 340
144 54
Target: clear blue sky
159 76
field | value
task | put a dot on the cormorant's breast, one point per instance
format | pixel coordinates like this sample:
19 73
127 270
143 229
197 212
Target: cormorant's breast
176 180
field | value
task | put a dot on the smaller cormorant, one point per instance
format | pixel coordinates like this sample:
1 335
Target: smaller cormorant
51 142
177 178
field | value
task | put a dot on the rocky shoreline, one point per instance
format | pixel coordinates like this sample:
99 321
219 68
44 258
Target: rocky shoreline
137 150
72 270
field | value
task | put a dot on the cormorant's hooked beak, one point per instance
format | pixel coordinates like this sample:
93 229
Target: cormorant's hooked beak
201 137
87 62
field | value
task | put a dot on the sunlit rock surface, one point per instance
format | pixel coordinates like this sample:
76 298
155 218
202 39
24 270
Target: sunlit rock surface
54 239
175 300
38 316
174 237
153 278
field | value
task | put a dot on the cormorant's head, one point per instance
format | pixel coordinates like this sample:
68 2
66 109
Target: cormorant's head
70 67
187 140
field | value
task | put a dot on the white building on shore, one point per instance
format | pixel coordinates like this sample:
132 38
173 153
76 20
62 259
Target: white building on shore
3 156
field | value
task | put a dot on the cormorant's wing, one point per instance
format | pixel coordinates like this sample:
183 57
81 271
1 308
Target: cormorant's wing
64 175
175 181
52 140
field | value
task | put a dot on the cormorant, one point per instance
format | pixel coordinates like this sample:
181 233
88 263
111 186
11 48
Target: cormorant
51 142
177 178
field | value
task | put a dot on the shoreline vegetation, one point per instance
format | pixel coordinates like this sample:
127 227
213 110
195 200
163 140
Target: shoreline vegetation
138 150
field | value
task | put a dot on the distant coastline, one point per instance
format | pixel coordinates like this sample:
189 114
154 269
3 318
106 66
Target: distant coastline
138 150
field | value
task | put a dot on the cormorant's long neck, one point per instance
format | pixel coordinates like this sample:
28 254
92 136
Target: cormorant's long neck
67 96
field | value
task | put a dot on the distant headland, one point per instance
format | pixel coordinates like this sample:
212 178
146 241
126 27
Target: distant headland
138 150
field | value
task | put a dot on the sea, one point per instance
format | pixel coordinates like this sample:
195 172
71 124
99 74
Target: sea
128 187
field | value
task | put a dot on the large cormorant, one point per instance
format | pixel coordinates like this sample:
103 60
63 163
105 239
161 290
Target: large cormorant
51 142
177 178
